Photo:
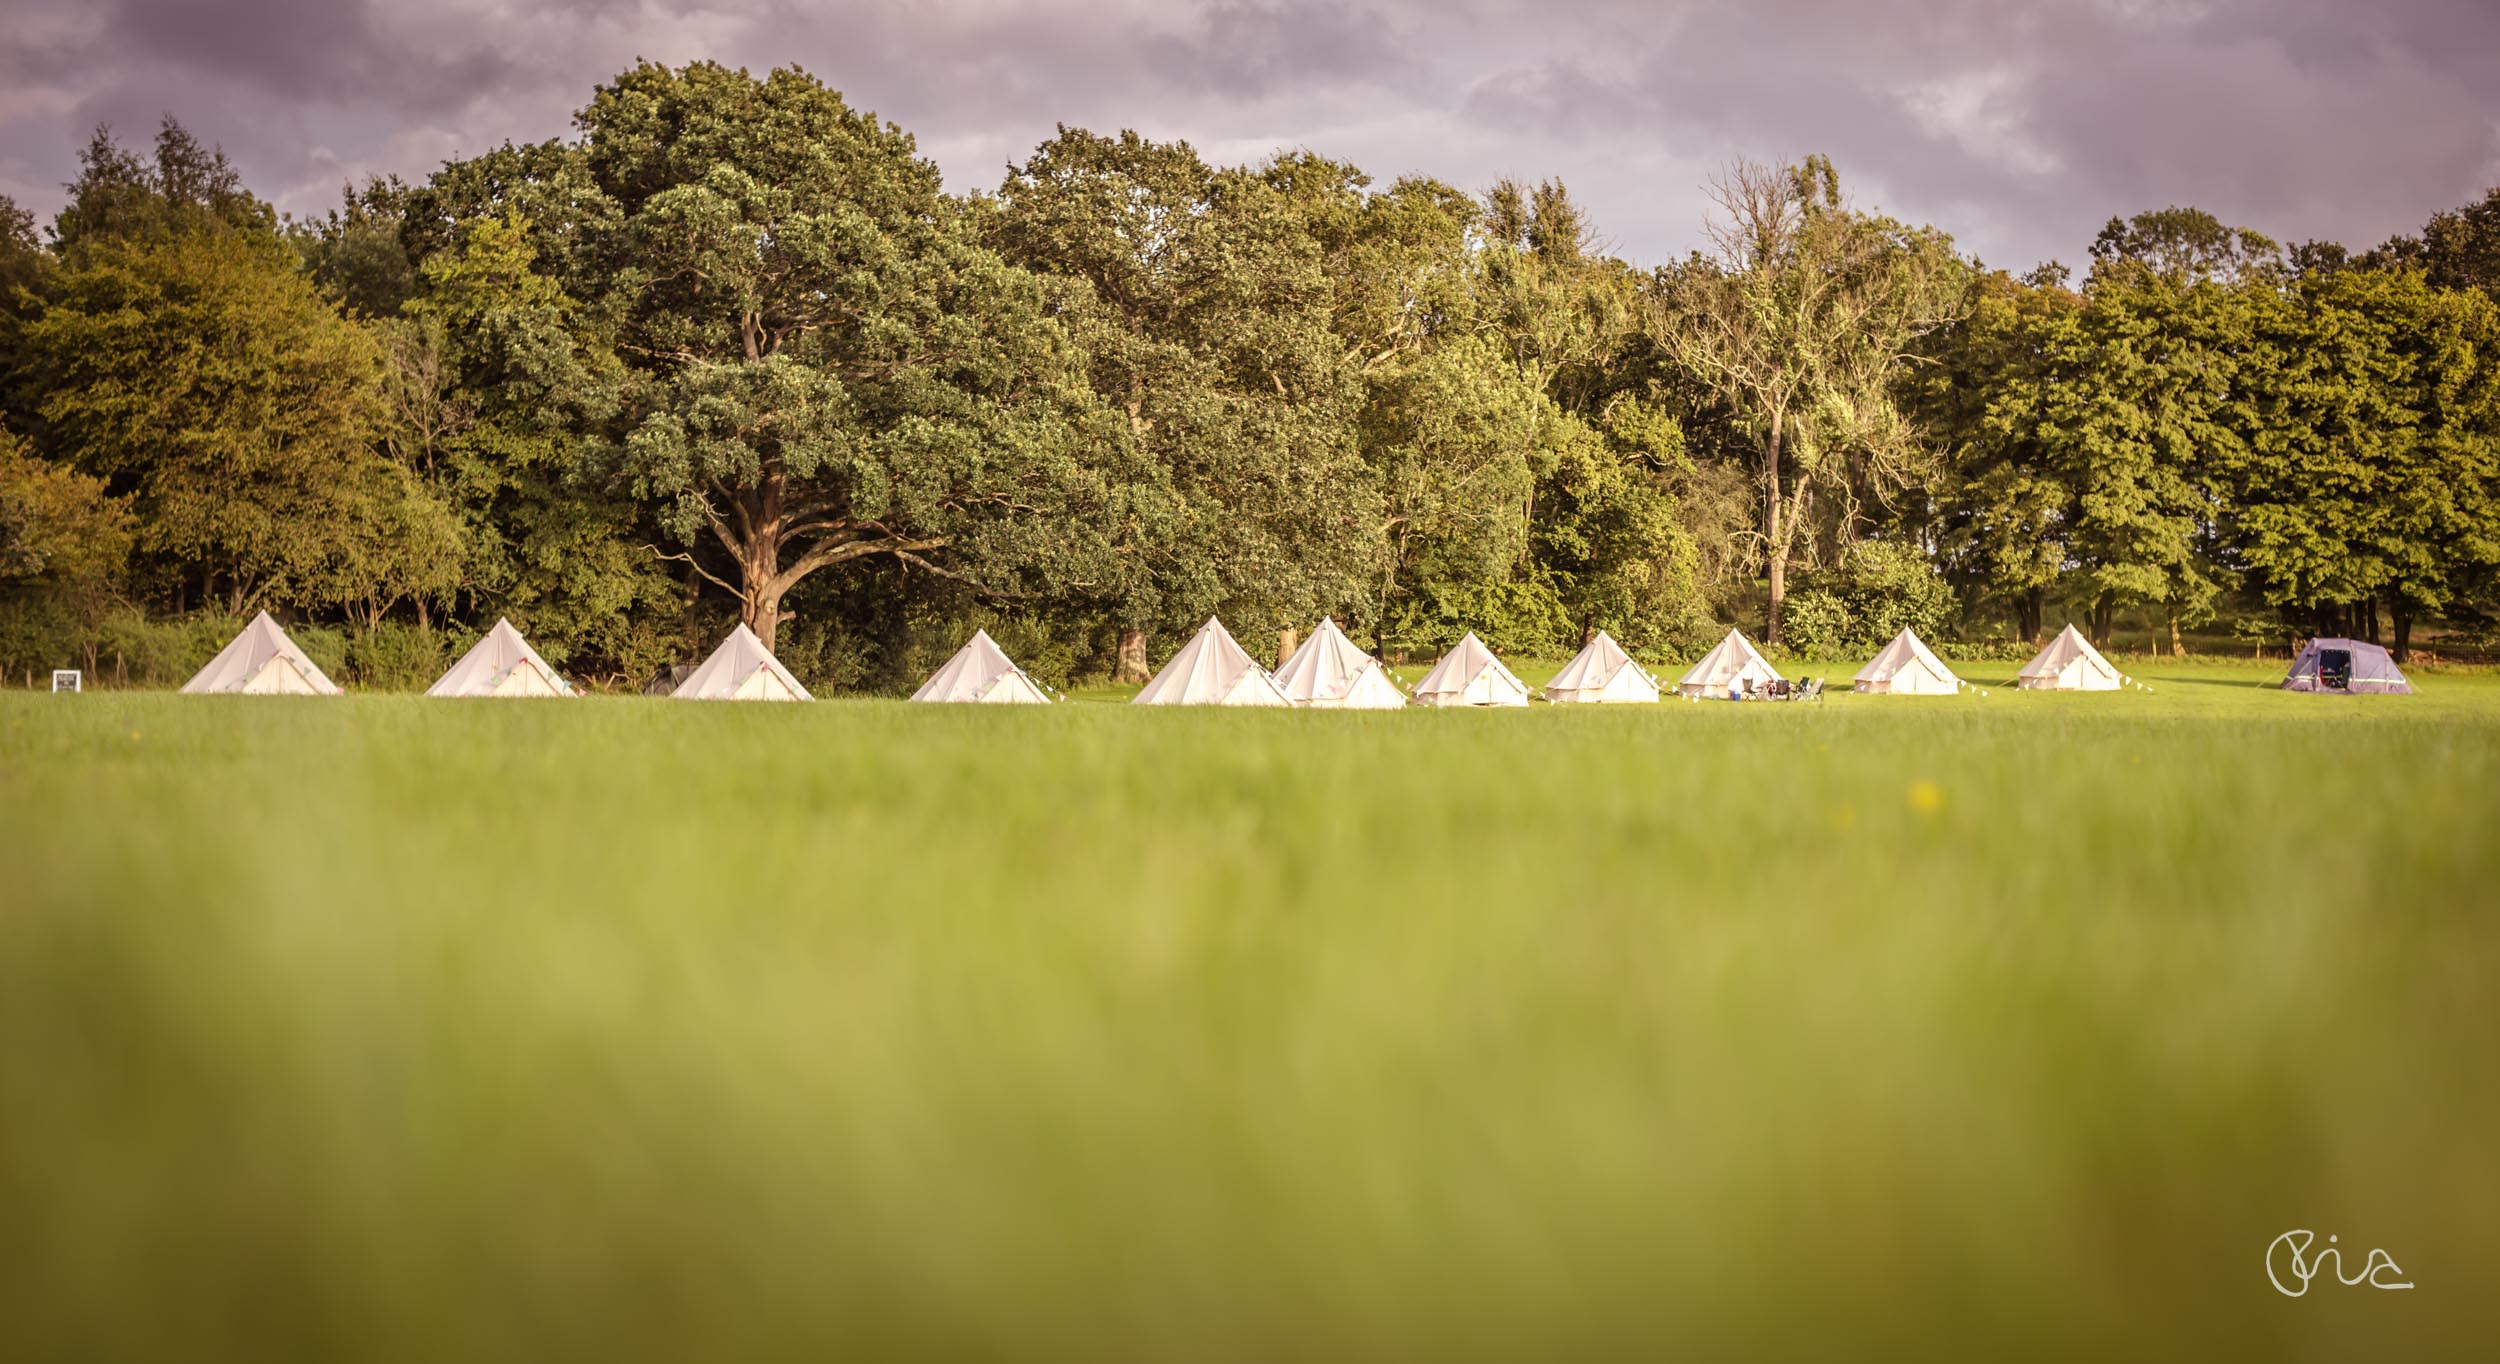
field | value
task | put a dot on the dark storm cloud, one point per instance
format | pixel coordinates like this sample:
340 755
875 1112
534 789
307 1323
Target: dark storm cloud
2019 127
324 50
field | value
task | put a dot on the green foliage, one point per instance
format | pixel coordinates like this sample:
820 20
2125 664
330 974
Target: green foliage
142 649
2004 503
1201 304
820 365
358 253
1608 531
2374 461
2183 246
1458 439
495 377
182 190
2459 249
25 270
392 656
182 358
58 527
1879 590
64 551
1801 324
2137 427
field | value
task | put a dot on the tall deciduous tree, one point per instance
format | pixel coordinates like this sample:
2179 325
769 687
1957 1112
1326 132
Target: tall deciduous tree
2003 508
2152 409
2372 468
496 380
1206 314
183 357
1800 322
822 367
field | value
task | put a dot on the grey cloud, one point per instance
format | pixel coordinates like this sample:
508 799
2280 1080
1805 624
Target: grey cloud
1245 49
328 50
2018 126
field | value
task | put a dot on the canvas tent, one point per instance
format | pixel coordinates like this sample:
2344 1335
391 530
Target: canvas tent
981 672
1329 673
1733 662
501 664
2348 667
1907 667
2069 663
741 669
1602 672
261 661
1212 670
1469 675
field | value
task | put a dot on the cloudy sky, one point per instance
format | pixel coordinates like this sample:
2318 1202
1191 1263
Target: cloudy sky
2018 126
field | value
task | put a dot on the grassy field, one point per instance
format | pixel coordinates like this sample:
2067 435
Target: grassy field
398 1029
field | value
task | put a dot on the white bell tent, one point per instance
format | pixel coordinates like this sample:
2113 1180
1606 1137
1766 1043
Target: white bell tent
501 664
1212 669
741 669
1601 673
1469 675
1733 662
261 661
1907 667
1330 673
2069 663
980 672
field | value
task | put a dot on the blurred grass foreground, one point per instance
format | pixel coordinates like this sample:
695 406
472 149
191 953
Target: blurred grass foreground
383 1028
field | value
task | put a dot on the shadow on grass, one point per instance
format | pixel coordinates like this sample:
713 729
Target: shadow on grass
2228 683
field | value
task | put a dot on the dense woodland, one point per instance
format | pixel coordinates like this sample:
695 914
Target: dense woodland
731 351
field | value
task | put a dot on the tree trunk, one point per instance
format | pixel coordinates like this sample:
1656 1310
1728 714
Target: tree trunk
760 607
1286 639
2401 616
2371 619
1774 543
1130 666
2027 617
2096 621
2178 646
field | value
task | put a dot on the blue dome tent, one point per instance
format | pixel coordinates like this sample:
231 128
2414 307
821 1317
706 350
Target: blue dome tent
2346 666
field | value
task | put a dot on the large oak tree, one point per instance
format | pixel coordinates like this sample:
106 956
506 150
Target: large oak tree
821 366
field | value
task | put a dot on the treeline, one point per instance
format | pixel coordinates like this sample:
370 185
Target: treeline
730 351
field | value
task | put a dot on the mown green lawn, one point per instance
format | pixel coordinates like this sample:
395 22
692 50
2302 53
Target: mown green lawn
625 1028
